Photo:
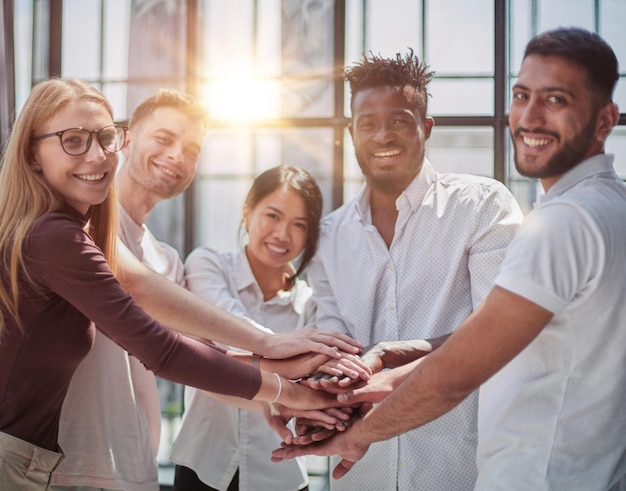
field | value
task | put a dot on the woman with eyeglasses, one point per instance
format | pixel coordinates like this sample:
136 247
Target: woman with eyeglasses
57 246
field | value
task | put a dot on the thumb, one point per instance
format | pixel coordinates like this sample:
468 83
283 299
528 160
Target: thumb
350 397
279 426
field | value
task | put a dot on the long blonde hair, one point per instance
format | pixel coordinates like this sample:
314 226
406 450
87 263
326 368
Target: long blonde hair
25 195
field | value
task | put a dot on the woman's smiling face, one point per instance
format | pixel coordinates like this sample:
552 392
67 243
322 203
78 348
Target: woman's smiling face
277 228
82 180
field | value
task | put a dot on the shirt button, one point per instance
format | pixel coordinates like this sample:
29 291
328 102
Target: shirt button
391 306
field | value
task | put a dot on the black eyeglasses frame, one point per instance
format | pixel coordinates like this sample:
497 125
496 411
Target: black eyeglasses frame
89 140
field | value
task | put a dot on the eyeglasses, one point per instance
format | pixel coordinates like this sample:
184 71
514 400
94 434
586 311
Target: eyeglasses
77 141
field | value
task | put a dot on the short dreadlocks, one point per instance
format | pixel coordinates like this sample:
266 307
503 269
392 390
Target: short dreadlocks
399 72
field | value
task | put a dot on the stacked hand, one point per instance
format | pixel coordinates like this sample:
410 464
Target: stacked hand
334 431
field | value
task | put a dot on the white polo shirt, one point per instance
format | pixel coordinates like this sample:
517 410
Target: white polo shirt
555 416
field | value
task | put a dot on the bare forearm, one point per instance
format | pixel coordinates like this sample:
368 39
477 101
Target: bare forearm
183 311
488 339
416 400
392 354
237 402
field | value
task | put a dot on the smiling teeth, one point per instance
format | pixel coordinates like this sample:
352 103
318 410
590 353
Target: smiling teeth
535 142
278 250
167 171
91 177
389 153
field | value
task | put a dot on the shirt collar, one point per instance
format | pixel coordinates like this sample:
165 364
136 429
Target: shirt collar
243 273
244 279
598 164
130 228
413 195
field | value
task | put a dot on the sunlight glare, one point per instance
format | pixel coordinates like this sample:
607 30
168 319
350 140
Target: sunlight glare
243 98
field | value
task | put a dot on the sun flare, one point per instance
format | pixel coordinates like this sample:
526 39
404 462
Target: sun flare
243 98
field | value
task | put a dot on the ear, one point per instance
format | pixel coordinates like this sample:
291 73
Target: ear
126 149
34 165
351 129
244 217
607 119
429 122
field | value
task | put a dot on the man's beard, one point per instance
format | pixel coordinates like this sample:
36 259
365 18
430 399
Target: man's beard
568 157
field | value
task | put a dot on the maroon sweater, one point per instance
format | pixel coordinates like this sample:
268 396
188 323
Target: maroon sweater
76 286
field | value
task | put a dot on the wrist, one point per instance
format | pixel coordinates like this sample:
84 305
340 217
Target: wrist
263 345
357 434
273 409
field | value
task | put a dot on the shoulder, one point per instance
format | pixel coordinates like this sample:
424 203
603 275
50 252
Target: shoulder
203 257
58 242
57 230
471 185
345 213
479 194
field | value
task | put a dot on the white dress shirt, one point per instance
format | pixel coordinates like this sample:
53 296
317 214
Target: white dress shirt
217 439
555 417
449 240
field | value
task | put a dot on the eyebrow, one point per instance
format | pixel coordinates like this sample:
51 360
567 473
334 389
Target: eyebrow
547 89
281 213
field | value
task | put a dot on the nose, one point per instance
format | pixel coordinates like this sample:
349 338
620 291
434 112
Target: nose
281 230
95 153
532 114
384 133
175 153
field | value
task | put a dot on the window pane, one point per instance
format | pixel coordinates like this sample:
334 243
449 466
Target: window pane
354 34
268 40
219 204
393 25
23 51
620 94
461 150
612 15
616 144
81 39
227 152
554 14
353 177
116 35
459 36
460 97
307 57
520 28
228 38
117 96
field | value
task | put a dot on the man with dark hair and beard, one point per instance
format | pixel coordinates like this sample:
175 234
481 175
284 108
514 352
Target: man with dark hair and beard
406 261
548 344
